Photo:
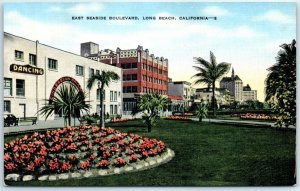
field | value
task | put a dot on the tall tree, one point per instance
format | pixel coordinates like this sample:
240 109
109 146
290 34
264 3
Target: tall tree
281 85
102 79
209 73
150 105
67 100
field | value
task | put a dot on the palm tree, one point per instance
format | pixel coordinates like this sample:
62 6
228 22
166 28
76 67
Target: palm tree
281 84
150 104
67 100
201 111
102 79
209 73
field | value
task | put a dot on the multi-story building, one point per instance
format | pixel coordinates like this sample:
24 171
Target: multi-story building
205 95
182 89
235 86
249 94
142 72
33 72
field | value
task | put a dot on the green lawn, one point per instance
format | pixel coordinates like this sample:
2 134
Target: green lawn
206 155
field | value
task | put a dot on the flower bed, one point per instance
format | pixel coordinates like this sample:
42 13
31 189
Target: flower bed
73 150
180 118
254 116
122 120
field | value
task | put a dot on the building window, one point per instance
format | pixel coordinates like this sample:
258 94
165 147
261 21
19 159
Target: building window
7 87
52 64
134 65
98 94
111 95
92 72
79 70
129 106
116 110
111 112
32 59
97 72
134 89
7 106
19 55
134 77
20 87
115 95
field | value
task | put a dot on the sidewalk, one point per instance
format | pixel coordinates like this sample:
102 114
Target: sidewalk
252 123
41 124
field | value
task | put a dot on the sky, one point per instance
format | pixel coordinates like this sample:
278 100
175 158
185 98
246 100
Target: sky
246 35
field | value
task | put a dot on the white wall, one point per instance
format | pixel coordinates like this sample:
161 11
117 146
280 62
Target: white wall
38 88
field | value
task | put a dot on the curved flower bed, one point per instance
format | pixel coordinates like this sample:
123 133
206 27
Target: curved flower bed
71 150
123 120
180 118
254 116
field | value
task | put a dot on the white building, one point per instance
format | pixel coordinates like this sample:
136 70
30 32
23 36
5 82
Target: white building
34 71
249 94
235 86
205 95
182 89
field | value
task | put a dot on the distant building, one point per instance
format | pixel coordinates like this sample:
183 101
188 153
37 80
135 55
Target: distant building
236 90
181 89
205 95
142 72
249 94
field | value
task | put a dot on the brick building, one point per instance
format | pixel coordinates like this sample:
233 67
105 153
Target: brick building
142 72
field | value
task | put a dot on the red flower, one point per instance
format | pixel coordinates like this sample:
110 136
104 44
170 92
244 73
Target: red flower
31 167
53 164
92 157
11 166
16 148
106 154
133 158
85 164
72 147
145 154
121 143
39 161
119 162
103 164
66 166
57 147
7 157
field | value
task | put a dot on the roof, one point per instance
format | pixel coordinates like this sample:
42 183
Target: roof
175 97
181 82
228 79
210 90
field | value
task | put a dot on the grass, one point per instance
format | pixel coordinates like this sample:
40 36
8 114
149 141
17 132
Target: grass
205 155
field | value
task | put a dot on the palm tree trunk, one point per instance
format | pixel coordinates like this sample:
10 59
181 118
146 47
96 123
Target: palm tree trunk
102 111
69 119
101 108
213 99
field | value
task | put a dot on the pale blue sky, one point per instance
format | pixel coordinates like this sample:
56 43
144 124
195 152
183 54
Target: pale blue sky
247 35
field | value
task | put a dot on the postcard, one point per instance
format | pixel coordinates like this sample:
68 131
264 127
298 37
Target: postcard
149 93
